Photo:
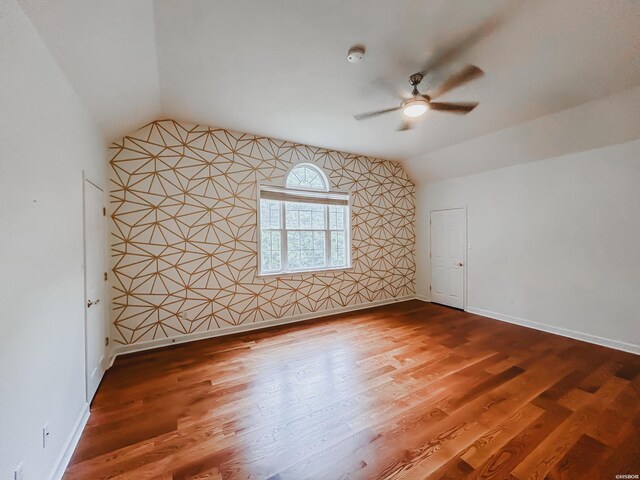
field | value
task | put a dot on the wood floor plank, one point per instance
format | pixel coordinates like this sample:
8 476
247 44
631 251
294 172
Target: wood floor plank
405 391
554 447
480 451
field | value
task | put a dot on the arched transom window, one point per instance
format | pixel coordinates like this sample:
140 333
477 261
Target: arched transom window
307 176
304 227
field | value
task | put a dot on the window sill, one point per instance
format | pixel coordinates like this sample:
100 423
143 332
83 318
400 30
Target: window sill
298 273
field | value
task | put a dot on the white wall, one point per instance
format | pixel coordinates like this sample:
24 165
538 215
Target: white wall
555 241
46 139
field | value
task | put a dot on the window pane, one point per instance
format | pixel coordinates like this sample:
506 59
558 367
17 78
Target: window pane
269 214
318 218
305 216
270 251
306 176
305 249
338 249
336 217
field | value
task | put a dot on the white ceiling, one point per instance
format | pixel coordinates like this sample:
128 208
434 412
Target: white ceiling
279 68
107 50
606 121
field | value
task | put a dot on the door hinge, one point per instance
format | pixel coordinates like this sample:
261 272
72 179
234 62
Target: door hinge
105 276
429 287
106 341
104 211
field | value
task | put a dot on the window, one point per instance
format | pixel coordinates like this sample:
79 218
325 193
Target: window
304 227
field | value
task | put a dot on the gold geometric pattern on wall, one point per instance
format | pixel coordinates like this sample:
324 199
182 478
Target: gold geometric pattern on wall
183 234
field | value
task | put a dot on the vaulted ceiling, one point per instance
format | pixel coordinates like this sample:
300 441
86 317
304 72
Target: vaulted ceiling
279 68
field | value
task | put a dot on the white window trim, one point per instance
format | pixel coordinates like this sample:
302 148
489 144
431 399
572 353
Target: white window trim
283 240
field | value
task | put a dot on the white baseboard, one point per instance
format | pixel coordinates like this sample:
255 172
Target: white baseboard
190 337
112 359
72 443
565 332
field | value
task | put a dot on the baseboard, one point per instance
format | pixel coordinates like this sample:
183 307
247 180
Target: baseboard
565 332
424 298
190 337
112 359
72 443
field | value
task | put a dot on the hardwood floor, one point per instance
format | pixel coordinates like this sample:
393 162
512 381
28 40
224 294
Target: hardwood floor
409 391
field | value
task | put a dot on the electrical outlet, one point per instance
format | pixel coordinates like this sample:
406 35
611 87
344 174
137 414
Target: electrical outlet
45 436
18 473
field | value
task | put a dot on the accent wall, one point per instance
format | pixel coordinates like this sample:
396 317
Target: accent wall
184 228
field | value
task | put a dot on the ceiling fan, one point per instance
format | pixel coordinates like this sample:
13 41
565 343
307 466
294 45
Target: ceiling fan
419 103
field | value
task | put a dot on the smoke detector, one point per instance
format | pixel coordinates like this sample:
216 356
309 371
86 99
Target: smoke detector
355 54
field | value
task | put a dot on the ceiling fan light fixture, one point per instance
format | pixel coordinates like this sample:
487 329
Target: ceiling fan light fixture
415 107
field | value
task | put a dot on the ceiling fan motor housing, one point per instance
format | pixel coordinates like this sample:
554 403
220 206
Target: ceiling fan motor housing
415 79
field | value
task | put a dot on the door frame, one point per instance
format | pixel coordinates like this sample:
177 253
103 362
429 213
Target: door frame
465 252
105 362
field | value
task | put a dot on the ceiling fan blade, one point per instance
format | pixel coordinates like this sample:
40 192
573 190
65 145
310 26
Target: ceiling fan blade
461 108
385 85
404 126
472 37
470 72
365 116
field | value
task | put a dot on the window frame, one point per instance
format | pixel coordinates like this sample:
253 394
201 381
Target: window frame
285 271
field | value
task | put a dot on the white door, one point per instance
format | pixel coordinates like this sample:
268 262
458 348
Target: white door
96 326
448 240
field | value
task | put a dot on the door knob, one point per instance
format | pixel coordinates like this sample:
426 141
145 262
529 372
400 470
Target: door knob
460 264
89 303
